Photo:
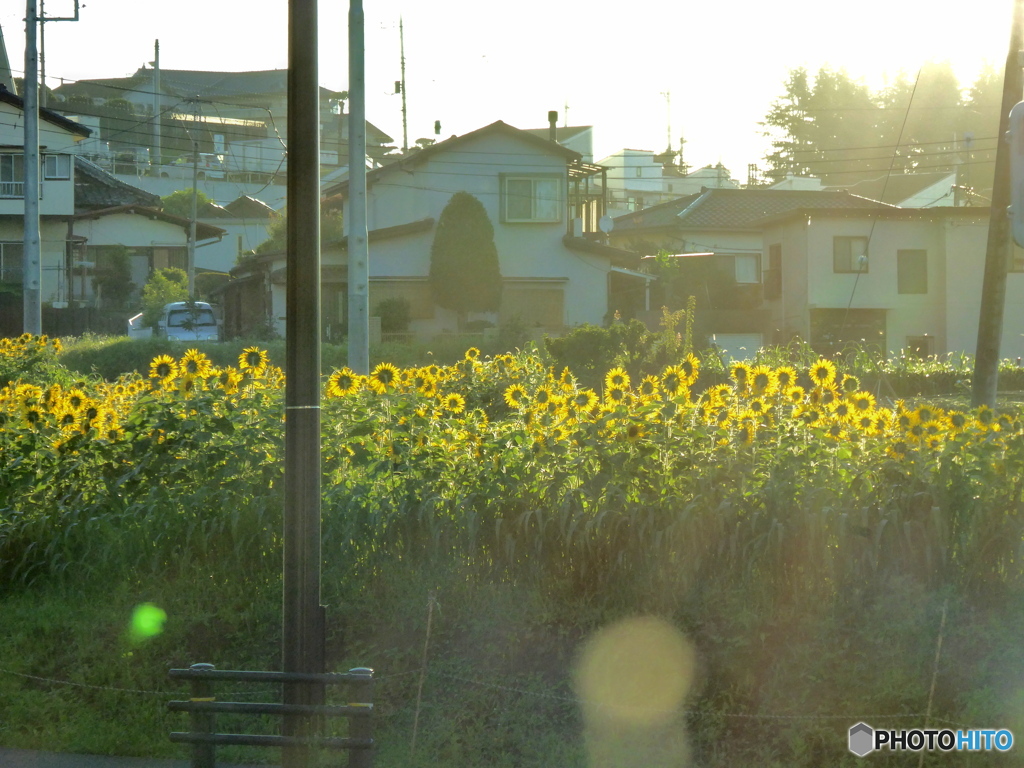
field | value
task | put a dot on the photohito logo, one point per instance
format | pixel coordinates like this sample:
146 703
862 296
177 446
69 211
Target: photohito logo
864 740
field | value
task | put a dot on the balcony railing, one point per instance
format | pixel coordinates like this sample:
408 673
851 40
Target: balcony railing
9 189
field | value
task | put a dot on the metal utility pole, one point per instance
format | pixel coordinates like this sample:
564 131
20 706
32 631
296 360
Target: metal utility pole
303 631
405 120
358 248
195 201
997 255
157 128
43 18
31 265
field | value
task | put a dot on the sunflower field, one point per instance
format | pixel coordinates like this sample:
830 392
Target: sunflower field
789 490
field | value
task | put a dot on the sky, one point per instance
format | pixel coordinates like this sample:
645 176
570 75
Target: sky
640 73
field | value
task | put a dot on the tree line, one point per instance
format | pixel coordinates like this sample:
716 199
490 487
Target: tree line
832 126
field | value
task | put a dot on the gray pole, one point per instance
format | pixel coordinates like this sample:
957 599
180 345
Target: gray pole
157 128
358 249
997 255
31 269
303 626
405 116
42 52
195 195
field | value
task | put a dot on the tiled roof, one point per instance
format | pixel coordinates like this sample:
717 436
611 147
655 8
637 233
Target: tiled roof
46 114
421 156
897 187
246 207
95 188
736 208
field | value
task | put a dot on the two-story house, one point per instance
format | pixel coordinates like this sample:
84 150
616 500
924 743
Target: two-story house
896 278
85 215
716 237
555 272
57 137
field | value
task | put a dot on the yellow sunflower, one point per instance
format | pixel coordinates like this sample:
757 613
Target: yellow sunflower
761 380
673 380
253 360
195 363
823 373
383 377
342 382
690 369
515 396
617 377
740 373
453 402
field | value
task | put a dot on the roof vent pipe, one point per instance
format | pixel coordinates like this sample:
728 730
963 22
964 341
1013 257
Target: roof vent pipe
552 123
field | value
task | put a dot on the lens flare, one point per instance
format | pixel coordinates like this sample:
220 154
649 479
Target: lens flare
147 621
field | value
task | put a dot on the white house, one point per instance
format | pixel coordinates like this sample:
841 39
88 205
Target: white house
555 271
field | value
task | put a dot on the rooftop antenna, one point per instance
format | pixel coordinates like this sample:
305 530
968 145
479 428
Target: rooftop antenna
405 122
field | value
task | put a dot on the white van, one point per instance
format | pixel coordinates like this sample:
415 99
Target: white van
188 321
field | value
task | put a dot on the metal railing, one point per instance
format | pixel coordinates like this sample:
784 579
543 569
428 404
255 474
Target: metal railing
203 708
12 189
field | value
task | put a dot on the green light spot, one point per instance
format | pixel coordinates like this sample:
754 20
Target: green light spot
147 621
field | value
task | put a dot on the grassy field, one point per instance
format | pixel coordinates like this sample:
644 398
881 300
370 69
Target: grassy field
768 559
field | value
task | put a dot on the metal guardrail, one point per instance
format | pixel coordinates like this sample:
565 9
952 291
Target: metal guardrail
203 707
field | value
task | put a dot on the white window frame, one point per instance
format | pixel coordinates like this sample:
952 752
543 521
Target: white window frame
534 179
61 167
755 270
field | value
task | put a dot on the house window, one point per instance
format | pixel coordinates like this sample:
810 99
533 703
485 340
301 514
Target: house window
12 176
849 254
773 275
57 166
639 171
11 262
912 271
748 268
531 199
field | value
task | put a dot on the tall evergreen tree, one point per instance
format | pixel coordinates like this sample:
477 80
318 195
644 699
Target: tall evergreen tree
465 275
835 128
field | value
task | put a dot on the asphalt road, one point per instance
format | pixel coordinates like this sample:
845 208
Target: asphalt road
26 758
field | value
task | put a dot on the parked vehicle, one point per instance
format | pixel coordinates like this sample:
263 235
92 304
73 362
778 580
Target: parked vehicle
188 321
209 166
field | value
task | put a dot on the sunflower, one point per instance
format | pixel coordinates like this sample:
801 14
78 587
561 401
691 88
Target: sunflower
617 377
453 402
383 377
543 395
253 360
649 387
985 416
673 380
616 395
583 400
762 380
863 402
868 423
842 410
957 421
849 384
740 373
810 415
794 394
76 398
823 373
785 377
744 434
690 369
342 382
229 379
635 431
515 396
194 363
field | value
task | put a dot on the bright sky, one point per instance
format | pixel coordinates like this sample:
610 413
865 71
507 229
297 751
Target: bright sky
469 63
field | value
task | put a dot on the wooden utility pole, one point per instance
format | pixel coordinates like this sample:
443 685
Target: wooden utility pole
303 636
997 254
